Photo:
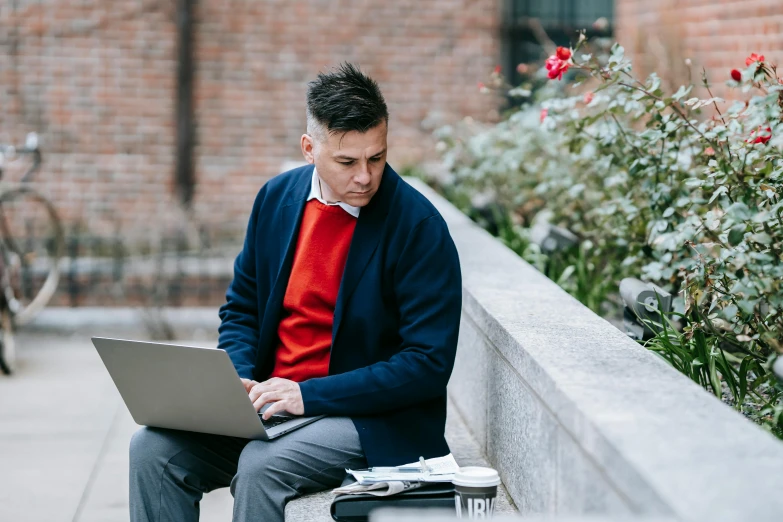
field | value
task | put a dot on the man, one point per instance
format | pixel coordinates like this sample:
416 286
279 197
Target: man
345 302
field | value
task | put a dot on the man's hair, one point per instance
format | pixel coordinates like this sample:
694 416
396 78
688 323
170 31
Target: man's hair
344 100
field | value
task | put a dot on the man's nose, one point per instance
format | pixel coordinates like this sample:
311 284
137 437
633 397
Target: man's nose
363 177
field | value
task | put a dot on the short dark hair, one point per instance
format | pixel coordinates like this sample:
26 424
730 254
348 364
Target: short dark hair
344 100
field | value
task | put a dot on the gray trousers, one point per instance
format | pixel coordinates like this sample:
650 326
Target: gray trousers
171 470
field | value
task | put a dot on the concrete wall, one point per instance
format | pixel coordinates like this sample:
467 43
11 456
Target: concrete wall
578 418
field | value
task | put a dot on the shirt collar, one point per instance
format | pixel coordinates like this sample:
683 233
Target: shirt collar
315 193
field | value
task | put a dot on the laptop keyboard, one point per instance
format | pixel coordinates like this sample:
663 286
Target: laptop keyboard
276 420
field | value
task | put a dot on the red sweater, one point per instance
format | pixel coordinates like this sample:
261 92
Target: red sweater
305 330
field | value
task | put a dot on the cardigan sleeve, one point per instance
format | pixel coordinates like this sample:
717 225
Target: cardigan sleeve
239 316
428 287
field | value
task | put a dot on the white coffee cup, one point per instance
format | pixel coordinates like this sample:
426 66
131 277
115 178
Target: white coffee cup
475 492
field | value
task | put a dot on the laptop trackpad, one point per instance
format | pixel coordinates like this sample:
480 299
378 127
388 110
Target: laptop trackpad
278 414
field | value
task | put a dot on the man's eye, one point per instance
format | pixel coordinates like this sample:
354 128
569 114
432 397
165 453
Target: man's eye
345 162
375 160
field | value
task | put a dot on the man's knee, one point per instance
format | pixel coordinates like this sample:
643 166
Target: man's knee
255 461
258 466
150 449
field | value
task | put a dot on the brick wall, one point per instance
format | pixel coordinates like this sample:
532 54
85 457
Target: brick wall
99 85
714 34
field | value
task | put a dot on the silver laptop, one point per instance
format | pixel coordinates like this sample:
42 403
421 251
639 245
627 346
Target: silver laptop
187 388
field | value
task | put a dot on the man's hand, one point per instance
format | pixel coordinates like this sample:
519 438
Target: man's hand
282 393
248 384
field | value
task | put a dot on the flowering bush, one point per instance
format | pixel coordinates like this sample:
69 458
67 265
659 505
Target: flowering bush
680 190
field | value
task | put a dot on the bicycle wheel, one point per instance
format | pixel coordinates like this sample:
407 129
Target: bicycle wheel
7 345
32 245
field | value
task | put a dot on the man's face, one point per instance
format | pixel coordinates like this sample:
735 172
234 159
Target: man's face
349 164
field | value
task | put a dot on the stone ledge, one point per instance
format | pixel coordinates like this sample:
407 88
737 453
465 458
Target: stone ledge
415 515
579 418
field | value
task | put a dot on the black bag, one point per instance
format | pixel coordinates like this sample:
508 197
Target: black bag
356 508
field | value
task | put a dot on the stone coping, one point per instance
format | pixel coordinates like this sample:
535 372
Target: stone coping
435 515
663 444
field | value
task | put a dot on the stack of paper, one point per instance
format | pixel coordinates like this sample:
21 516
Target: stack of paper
378 489
392 480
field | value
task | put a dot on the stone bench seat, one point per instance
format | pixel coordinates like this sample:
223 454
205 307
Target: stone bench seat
315 508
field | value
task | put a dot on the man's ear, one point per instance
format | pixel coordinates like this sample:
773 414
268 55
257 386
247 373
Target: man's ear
307 148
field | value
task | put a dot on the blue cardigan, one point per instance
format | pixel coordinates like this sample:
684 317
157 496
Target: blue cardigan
396 320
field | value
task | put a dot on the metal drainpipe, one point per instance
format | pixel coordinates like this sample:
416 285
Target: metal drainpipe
186 122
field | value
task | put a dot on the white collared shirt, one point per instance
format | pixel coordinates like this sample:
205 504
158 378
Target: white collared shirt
315 193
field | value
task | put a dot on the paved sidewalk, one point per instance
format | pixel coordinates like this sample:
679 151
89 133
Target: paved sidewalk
64 435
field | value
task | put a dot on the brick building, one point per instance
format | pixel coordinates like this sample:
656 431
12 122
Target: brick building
99 84
715 34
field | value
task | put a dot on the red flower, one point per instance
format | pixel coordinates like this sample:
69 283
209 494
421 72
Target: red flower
761 136
564 53
736 75
558 63
754 58
556 67
497 69
709 151
544 112
588 97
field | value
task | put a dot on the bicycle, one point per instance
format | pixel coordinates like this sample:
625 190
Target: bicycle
25 259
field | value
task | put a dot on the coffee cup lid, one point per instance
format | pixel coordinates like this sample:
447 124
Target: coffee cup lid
476 477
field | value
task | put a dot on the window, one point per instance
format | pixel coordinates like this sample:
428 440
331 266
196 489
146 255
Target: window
560 19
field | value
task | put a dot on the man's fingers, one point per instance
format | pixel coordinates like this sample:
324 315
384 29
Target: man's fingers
264 398
266 385
256 391
269 397
248 384
257 401
276 407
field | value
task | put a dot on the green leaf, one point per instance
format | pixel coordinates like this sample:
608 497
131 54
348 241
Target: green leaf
617 54
743 377
758 380
761 237
723 189
569 270
681 92
746 306
726 371
737 234
761 257
738 211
